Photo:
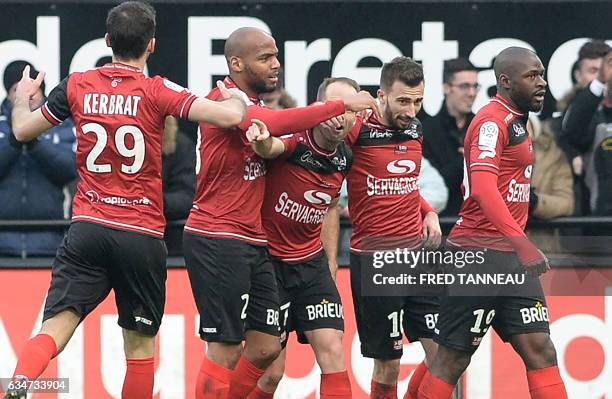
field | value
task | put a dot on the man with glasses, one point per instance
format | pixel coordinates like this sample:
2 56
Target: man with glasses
443 144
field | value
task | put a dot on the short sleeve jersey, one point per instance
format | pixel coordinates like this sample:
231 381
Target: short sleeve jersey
119 115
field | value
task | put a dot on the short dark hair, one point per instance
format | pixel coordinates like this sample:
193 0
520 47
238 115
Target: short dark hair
328 81
593 49
403 69
451 67
130 27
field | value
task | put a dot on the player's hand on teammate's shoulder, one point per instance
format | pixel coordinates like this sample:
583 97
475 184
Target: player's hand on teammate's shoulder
258 131
232 92
360 101
432 233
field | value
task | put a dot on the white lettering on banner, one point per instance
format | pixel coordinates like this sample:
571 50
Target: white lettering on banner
7 353
202 64
482 57
569 327
71 365
170 372
299 58
559 67
349 56
432 50
479 375
44 55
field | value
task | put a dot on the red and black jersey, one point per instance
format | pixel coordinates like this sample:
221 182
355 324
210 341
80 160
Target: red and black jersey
119 116
230 176
383 186
300 186
497 142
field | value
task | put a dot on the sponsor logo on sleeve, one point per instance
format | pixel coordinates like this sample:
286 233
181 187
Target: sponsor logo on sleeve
487 140
173 86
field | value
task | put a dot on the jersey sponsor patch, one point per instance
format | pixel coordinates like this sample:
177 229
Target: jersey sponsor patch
488 135
487 140
317 197
401 166
173 86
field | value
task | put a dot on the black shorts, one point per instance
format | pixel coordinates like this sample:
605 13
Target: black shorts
464 320
93 259
381 320
309 298
234 287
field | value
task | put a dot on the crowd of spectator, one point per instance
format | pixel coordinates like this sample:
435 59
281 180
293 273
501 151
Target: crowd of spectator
572 173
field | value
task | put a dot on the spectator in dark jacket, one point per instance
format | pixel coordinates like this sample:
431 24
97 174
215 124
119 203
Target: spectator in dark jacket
32 175
586 69
445 132
587 126
178 174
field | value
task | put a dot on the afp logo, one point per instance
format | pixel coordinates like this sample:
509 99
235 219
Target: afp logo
317 197
401 166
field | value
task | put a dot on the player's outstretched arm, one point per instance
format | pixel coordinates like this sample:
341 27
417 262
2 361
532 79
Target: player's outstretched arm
263 143
28 125
283 121
227 113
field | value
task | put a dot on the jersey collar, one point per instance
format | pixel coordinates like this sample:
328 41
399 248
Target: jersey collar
120 65
316 147
229 83
499 99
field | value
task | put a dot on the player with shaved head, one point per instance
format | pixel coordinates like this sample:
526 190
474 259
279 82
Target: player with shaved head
232 279
498 162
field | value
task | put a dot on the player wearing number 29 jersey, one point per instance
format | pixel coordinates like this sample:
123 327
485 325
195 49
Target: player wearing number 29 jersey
115 239
119 114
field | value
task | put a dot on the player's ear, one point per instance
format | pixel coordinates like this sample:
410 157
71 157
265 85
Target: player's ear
107 40
151 46
504 81
236 64
380 93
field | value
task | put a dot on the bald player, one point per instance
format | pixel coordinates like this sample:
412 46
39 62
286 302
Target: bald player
498 160
232 279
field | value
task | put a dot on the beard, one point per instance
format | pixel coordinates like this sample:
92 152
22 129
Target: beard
258 84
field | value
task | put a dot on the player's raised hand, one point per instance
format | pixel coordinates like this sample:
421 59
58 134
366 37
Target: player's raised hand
231 92
537 267
335 123
432 233
258 131
362 100
27 87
